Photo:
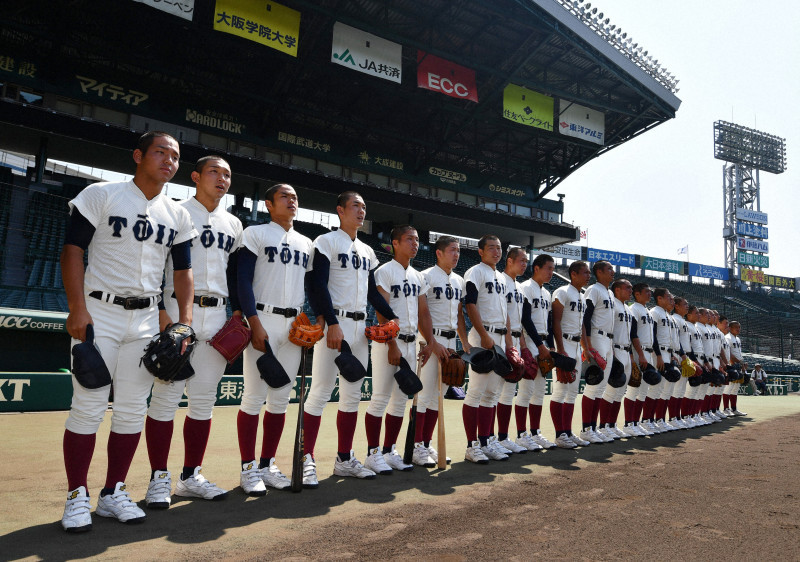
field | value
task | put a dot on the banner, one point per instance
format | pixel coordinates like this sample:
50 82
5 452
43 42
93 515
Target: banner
752 230
667 266
751 216
752 245
33 320
762 278
268 23
708 271
581 122
181 8
527 107
756 260
367 53
614 258
566 251
449 78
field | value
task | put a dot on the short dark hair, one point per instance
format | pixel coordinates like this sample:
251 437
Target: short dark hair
692 308
733 323
542 259
722 318
598 265
680 300
201 163
513 252
576 266
484 239
270 194
147 139
346 196
398 231
660 292
444 241
702 310
619 283
639 287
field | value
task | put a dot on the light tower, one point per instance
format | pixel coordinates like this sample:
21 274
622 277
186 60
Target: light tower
746 152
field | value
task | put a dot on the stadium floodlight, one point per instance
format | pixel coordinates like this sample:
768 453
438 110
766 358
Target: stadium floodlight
742 145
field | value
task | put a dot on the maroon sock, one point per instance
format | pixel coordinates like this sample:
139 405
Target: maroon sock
121 448
596 408
346 428
706 403
567 411
195 439
311 425
494 416
485 421
686 406
637 414
557 413
521 418
273 429
393 424
587 409
649 408
535 416
503 418
158 436
419 426
660 409
726 401
247 427
674 406
630 410
733 401
615 408
372 425
469 414
431 417
605 411
78 451
718 401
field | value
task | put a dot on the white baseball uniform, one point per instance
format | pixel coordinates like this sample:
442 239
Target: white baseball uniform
533 391
735 350
681 341
644 331
601 333
571 321
514 301
623 319
663 325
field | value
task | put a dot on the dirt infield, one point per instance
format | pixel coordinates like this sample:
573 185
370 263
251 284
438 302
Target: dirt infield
684 495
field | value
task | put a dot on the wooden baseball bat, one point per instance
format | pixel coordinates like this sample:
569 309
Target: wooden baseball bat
299 441
440 439
408 453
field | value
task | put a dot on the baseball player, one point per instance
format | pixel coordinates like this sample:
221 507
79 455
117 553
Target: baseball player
626 341
735 346
598 322
536 319
339 285
214 270
516 264
635 397
704 328
445 298
129 229
690 406
682 344
655 406
485 301
570 338
273 263
724 354
404 288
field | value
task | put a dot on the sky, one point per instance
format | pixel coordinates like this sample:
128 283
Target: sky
736 61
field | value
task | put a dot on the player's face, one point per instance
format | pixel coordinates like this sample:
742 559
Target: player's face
624 292
582 276
353 212
644 296
723 326
735 329
703 317
449 256
682 308
283 206
517 266
214 180
605 275
693 316
544 273
492 252
160 163
408 245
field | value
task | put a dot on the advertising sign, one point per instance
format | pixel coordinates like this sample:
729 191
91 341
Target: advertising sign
581 122
566 251
752 230
367 53
755 260
762 278
708 271
268 23
751 216
527 107
614 258
658 264
181 8
752 245
448 78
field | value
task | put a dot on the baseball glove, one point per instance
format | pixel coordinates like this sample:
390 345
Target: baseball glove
382 333
517 365
687 367
601 362
303 332
454 369
163 357
564 376
531 365
232 338
546 365
636 375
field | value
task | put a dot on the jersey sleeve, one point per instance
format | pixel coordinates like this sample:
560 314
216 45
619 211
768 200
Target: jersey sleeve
91 203
383 278
250 240
186 230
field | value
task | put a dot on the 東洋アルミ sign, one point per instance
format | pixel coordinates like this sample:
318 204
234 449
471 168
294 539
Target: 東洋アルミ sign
751 215
751 245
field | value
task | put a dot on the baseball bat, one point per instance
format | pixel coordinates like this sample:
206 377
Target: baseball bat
299 441
440 439
408 453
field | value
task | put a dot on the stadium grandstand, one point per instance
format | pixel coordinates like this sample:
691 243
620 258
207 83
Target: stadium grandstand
302 101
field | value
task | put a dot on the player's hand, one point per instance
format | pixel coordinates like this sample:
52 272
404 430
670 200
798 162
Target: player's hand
424 354
334 337
164 320
434 348
465 346
659 363
544 353
487 342
394 353
76 323
258 335
642 361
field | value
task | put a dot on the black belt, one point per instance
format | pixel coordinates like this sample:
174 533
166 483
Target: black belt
491 329
606 334
648 349
625 347
128 303
571 338
449 334
287 312
408 338
665 348
516 333
346 314
204 301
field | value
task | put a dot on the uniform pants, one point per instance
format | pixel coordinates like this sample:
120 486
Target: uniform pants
605 348
386 394
484 388
562 392
428 398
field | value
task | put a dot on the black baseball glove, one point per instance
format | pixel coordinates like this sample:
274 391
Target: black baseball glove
163 357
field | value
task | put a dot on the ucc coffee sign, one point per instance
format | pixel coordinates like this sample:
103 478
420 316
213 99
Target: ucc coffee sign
448 78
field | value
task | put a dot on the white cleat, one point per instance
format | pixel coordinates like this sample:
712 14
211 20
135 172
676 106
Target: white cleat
579 441
273 477
77 516
352 468
564 442
495 444
376 463
738 413
630 430
512 446
588 436
542 440
250 480
196 486
493 453
310 481
475 454
119 505
527 441
159 491
617 432
395 460
422 456
606 434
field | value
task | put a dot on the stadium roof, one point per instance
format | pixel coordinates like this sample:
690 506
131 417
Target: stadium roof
184 67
